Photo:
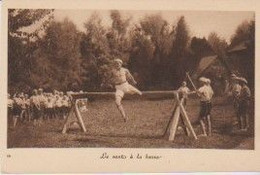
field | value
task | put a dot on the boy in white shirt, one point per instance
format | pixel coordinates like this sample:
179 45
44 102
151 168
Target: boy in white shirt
205 94
184 91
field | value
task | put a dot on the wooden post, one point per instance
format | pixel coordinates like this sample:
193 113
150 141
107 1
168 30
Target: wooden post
180 111
79 117
66 123
74 110
175 119
167 131
174 124
187 121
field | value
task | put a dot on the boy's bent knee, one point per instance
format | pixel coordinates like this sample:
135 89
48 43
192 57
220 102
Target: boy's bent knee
118 101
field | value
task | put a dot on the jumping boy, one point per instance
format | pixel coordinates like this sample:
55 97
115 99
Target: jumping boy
121 77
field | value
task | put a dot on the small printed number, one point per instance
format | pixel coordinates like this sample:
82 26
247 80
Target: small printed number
8 156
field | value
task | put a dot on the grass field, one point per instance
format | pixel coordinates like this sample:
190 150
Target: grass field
147 123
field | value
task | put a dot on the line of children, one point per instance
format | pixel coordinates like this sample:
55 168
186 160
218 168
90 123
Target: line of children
39 106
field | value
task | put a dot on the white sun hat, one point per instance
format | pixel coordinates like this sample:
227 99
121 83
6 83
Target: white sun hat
203 79
118 60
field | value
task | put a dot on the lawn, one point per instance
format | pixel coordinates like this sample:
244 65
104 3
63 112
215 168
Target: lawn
145 128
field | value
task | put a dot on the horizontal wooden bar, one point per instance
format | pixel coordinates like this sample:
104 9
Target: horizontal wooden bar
109 95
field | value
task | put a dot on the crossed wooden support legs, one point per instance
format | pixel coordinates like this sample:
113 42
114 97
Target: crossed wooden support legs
180 112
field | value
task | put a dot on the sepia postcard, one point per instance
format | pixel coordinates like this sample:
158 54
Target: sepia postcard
129 86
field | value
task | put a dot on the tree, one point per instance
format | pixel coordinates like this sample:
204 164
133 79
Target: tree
219 45
96 54
182 38
117 36
118 23
180 52
244 32
157 30
200 47
245 60
60 52
141 56
21 18
23 44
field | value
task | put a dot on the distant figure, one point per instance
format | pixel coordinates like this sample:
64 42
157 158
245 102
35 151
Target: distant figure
16 109
42 99
36 107
10 107
235 90
121 77
184 91
244 104
205 93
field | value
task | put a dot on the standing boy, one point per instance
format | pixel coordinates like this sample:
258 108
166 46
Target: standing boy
205 94
184 91
235 91
36 107
244 104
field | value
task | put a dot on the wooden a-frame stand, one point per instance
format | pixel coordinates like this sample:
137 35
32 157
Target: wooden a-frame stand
74 111
180 112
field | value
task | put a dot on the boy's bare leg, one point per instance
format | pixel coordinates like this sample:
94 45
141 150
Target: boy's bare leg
203 127
209 125
247 121
120 108
34 122
15 121
139 92
122 111
241 121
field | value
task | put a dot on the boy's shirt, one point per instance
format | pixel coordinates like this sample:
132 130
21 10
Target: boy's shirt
184 90
10 103
42 100
35 101
206 93
123 75
49 103
58 102
236 89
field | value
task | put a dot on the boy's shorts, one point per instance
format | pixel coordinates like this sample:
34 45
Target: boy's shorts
205 109
125 88
243 108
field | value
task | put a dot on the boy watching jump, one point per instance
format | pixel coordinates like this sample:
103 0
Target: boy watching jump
121 77
244 104
205 94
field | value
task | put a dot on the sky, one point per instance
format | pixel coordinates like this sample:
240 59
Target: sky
200 23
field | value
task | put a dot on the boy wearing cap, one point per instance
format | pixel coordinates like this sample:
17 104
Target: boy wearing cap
244 103
235 92
121 76
205 94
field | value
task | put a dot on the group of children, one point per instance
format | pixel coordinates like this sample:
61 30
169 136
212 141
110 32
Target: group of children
241 95
40 105
240 91
43 105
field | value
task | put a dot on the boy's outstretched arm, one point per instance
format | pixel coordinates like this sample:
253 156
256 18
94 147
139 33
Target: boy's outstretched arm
130 78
